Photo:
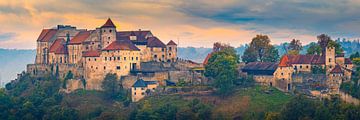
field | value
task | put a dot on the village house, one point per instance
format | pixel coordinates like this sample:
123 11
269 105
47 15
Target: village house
336 69
142 88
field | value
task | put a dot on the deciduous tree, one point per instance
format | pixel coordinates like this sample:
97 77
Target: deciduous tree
260 49
222 68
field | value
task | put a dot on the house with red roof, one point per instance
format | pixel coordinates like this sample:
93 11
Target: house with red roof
336 68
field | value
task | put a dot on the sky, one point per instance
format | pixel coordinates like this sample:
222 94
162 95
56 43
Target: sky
197 23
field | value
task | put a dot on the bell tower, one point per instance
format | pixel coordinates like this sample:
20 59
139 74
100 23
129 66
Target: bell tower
108 33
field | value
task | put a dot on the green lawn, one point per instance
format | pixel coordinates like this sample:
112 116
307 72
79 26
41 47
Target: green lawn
261 102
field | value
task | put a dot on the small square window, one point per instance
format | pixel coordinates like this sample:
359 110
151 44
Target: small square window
118 67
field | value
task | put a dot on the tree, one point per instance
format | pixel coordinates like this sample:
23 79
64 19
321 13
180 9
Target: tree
249 55
337 46
355 55
222 68
272 55
260 49
314 49
323 41
110 86
68 76
294 47
57 72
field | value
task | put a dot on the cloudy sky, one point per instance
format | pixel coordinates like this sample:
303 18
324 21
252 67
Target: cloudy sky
192 23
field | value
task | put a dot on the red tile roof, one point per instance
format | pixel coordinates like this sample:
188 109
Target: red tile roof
58 47
93 53
284 61
348 61
337 69
46 35
108 23
171 43
122 45
287 60
80 37
155 42
206 60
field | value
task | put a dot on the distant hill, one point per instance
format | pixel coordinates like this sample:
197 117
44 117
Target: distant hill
14 61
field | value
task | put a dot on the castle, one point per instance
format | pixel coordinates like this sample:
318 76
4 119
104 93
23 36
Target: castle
299 69
91 54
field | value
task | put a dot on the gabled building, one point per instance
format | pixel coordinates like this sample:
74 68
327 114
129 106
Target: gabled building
142 88
94 53
336 68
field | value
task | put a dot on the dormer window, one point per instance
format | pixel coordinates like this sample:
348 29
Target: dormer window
132 37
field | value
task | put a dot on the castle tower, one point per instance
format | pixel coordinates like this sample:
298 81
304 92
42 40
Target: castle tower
108 33
171 49
330 58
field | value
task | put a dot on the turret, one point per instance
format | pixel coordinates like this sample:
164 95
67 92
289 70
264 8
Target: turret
171 48
108 33
330 58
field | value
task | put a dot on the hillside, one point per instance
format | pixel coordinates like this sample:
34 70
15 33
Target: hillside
14 61
38 99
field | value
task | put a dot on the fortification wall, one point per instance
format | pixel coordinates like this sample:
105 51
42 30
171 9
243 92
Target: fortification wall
43 69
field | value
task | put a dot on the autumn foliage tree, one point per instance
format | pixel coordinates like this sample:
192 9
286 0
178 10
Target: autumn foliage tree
261 50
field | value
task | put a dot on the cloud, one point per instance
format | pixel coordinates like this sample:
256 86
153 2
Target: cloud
195 23
7 36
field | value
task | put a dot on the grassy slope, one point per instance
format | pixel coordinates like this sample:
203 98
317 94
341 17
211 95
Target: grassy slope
250 103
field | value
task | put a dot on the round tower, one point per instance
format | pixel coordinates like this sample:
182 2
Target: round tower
108 33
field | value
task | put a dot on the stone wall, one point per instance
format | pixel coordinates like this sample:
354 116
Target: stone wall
43 69
173 76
